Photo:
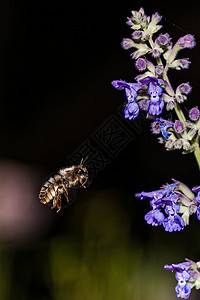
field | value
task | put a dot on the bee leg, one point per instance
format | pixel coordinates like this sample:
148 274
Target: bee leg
82 184
55 200
66 193
58 203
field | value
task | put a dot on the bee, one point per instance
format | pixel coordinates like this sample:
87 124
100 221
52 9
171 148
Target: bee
64 183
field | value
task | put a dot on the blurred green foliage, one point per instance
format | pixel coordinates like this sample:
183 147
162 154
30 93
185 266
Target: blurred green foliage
100 260
95 254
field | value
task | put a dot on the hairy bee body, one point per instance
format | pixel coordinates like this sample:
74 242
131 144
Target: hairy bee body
61 184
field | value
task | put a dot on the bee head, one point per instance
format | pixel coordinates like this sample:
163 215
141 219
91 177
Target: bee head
81 173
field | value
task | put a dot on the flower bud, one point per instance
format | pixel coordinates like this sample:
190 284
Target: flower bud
141 64
136 35
169 144
194 114
184 88
178 144
159 70
127 43
184 189
170 105
178 126
163 39
191 133
186 41
179 64
144 104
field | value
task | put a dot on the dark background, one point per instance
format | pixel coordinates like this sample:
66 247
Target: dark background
57 62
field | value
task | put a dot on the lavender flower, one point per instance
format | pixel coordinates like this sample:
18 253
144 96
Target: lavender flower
184 88
155 127
130 88
141 64
159 70
136 35
163 126
178 144
127 43
187 275
173 222
186 41
138 19
154 217
171 206
163 39
156 104
178 267
156 52
132 108
165 210
183 289
179 64
178 126
194 114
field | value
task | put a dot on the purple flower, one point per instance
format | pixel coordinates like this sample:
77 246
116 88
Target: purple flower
194 114
184 88
163 39
186 41
156 104
159 70
152 195
173 223
183 291
169 189
155 53
141 64
131 110
154 217
165 209
183 274
137 34
196 189
198 197
130 88
164 125
127 43
178 126
155 127
198 213
178 267
184 63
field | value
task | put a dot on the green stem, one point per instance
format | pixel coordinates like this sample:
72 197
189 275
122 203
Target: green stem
182 118
180 113
197 152
177 108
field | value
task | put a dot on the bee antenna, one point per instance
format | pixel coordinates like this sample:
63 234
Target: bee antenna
83 160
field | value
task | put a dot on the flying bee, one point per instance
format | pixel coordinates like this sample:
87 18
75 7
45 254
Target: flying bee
62 184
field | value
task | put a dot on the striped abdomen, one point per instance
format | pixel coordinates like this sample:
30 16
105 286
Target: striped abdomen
50 189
